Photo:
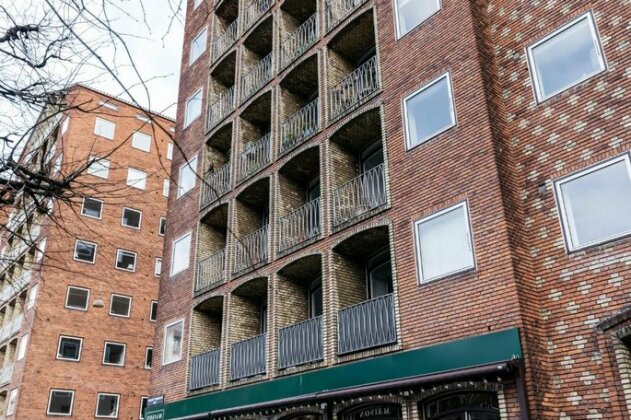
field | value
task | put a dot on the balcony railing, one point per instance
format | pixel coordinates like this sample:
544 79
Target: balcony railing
256 78
299 41
251 250
225 40
248 357
11 328
300 126
205 369
300 343
6 374
367 324
14 286
220 108
255 156
254 11
216 184
360 84
300 225
338 10
210 271
359 195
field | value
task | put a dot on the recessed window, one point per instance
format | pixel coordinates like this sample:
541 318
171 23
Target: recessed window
125 260
595 204
172 342
99 167
165 187
120 305
443 242
131 218
188 176
153 314
13 401
198 46
114 354
158 269
22 347
143 406
104 128
77 298
69 348
181 254
107 405
148 357
92 207
170 151
136 178
193 108
60 402
141 141
163 226
429 111
85 251
566 58
411 13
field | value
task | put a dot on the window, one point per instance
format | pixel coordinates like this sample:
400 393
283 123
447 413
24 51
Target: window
595 203
120 305
77 298
85 251
163 226
13 400
443 242
92 207
125 260
187 177
64 125
99 167
411 13
566 58
131 218
153 312
172 342
379 271
165 187
143 406
197 3
148 357
136 178
107 405
104 128
60 402
198 46
429 111
462 405
22 347
193 108
69 348
141 141
158 269
32 296
181 254
170 151
114 354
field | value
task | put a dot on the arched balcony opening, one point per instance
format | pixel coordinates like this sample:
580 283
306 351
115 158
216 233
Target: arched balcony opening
211 251
218 171
257 61
254 150
221 92
299 29
206 335
252 232
226 27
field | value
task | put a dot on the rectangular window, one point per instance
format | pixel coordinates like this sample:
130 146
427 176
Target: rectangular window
91 207
181 254
13 402
64 125
429 111
443 243
69 348
99 167
85 251
595 204
126 260
170 151
411 13
22 347
188 176
153 314
131 218
165 187
193 108
172 342
77 298
120 305
148 357
136 178
162 229
108 105
198 46
158 269
141 141
143 406
107 405
104 128
114 354
60 402
566 58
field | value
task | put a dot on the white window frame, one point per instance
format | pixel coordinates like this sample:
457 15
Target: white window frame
156 272
397 25
13 395
565 226
116 344
74 255
190 165
142 398
108 105
138 135
64 125
87 301
129 307
166 186
50 397
61 337
22 346
164 341
201 34
148 367
32 296
153 302
173 247
108 394
96 124
188 100
454 114
417 243
123 218
102 166
534 77
118 252
170 151
137 183
87 215
163 220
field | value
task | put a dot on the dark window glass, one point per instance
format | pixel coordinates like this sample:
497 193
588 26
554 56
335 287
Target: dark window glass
60 402
120 305
464 405
69 348
126 260
163 226
131 218
149 357
107 405
114 354
154 311
91 207
77 298
85 251
380 274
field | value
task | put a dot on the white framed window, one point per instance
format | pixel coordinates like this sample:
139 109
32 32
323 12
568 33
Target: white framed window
165 187
120 305
198 46
22 347
170 151
153 311
85 251
13 401
429 111
443 243
41 248
193 108
187 178
158 268
136 178
107 405
132 218
148 357
143 406
141 141
144 118
108 105
172 351
181 254
69 348
91 207
114 354
99 167
126 260
196 3
162 227
64 125
104 128
77 298
32 296
411 13
60 402
595 204
565 58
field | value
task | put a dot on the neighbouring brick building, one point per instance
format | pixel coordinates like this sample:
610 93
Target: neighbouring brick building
80 284
404 209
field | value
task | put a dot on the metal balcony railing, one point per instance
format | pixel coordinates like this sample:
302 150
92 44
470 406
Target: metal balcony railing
248 357
251 249
299 41
367 324
359 195
255 156
300 126
216 184
219 109
360 84
337 10
225 40
254 11
256 78
300 225
300 343
14 286
205 369
6 374
210 271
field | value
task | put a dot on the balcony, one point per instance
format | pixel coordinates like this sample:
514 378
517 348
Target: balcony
11 328
216 184
360 195
205 369
210 271
300 343
254 11
337 10
299 41
251 250
220 108
367 324
257 77
13 287
248 357
225 40
350 92
5 377
300 126
255 156
300 225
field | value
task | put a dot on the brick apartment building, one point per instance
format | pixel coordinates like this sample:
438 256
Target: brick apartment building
80 285
409 209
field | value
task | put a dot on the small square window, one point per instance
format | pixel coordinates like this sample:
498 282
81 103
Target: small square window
125 260
85 251
131 218
411 13
69 348
163 226
120 305
114 354
104 128
141 141
181 254
99 167
188 177
136 178
143 406
172 342
77 298
193 108
13 401
158 269
153 314
107 405
170 151
22 347
148 357
198 46
60 402
92 207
